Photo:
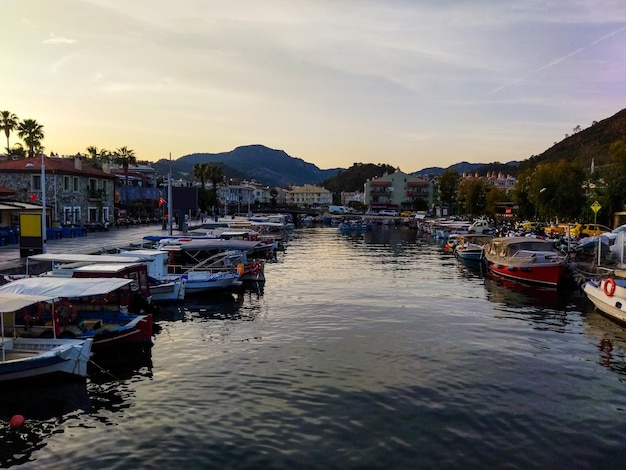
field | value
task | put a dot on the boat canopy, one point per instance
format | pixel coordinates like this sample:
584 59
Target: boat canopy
212 244
79 258
12 302
57 287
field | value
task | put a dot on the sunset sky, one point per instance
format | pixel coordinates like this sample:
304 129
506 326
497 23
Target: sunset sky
411 83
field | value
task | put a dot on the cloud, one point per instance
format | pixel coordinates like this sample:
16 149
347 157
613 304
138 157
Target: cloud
55 40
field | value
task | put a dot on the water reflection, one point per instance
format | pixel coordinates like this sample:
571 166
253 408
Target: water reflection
45 405
518 295
610 340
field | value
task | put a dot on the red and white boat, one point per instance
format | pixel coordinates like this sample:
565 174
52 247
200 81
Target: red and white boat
526 259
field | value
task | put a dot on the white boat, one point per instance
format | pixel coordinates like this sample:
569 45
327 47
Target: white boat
28 358
609 297
216 255
162 287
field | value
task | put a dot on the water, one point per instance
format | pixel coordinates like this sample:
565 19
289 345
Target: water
373 351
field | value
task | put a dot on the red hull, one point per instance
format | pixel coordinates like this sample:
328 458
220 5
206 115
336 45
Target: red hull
548 275
138 334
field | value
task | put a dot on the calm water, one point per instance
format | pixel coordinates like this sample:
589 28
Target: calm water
373 351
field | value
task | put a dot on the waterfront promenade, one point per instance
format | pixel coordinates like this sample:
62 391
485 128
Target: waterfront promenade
93 242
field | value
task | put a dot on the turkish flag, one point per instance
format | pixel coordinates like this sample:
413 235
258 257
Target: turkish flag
33 197
161 201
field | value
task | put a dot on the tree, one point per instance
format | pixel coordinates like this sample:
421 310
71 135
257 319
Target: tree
8 123
18 151
447 187
125 157
471 196
31 132
216 176
97 157
201 171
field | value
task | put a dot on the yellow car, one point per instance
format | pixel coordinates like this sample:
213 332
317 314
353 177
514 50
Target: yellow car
591 230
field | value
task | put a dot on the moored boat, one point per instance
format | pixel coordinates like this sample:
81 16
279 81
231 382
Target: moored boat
609 297
526 259
28 358
97 308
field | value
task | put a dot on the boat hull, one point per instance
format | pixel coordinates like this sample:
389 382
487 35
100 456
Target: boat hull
548 274
30 358
612 306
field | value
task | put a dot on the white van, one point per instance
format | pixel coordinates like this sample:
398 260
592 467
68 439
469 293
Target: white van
337 210
479 226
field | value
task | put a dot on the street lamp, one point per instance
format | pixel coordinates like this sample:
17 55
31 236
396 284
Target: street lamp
542 190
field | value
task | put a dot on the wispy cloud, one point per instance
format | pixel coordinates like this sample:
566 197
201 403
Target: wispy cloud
56 40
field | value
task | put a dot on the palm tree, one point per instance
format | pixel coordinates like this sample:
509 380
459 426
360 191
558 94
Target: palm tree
215 176
17 151
8 123
31 132
98 157
125 157
201 171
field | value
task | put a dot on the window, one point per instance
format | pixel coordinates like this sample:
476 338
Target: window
66 183
35 182
76 185
76 214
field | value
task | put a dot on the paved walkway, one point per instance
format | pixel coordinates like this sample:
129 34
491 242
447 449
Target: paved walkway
94 242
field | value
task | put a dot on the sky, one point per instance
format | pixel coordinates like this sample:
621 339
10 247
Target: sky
410 83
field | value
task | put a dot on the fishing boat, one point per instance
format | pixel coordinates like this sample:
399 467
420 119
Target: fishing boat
96 308
526 259
28 358
217 255
145 268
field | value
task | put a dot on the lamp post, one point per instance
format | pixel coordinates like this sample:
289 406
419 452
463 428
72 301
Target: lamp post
542 190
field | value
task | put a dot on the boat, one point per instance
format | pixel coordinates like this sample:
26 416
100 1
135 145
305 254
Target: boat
215 255
471 247
29 358
96 308
609 296
526 259
144 267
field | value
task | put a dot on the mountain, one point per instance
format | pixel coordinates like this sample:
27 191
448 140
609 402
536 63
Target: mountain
268 166
466 167
584 145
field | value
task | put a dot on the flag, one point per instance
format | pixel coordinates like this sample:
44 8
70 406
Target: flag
33 197
161 201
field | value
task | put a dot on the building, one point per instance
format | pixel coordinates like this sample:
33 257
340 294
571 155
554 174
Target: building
309 196
398 191
75 193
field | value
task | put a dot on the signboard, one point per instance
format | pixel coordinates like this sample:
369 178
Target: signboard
31 236
595 207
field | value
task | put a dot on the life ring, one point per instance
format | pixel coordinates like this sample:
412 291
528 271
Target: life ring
609 287
255 267
66 313
33 318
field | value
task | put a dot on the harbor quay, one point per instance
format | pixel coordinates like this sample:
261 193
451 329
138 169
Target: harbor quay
90 243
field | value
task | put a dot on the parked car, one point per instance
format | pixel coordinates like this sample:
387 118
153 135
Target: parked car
588 230
389 212
555 230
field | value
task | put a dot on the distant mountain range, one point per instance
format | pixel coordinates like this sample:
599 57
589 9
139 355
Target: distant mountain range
277 168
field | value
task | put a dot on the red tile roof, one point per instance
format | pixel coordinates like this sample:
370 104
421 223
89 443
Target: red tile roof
52 164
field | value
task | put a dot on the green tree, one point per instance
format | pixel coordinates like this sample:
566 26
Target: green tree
97 157
493 197
17 151
613 191
201 171
31 132
125 157
8 123
216 176
471 196
447 187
